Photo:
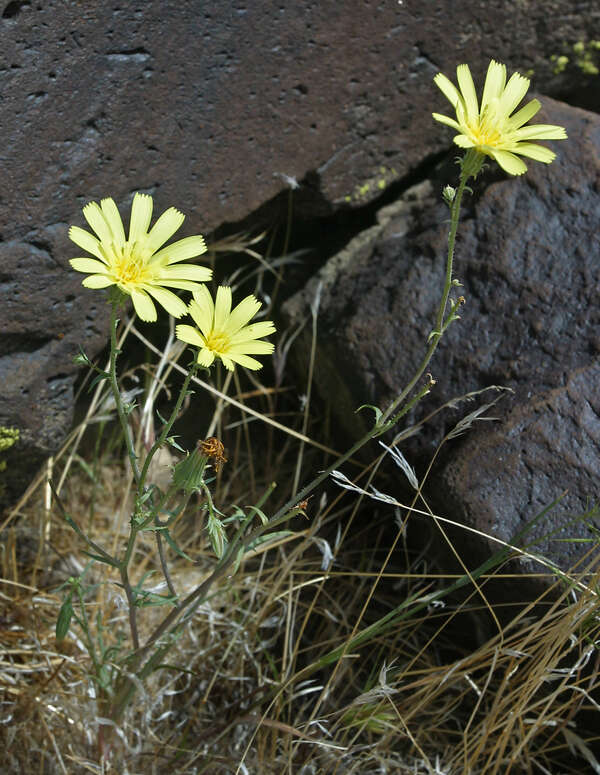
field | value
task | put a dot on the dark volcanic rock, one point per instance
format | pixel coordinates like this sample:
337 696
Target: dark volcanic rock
208 107
44 319
545 448
529 257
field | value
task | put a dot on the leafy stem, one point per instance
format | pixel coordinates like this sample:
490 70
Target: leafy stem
470 166
112 370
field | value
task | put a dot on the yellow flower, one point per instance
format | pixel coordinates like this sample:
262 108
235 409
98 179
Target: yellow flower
491 130
137 265
222 332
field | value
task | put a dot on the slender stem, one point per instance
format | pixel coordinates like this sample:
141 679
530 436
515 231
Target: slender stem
470 166
130 594
114 351
140 479
167 426
163 560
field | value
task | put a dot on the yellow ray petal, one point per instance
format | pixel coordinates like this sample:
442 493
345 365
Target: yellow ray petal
190 247
85 240
245 360
199 274
164 228
97 281
113 220
205 357
448 88
167 299
245 311
494 83
89 265
144 306
95 217
141 215
202 310
254 331
514 92
509 162
190 335
222 307
467 89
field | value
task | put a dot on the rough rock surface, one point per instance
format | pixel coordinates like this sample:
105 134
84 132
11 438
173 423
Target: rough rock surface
44 320
545 448
528 254
206 104
206 108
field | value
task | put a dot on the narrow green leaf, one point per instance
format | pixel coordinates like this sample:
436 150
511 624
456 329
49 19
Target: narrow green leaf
100 558
171 441
268 537
98 378
64 619
149 599
88 470
174 547
376 409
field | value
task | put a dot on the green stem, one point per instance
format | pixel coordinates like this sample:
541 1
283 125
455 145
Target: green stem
114 351
167 427
131 597
140 479
470 166
163 561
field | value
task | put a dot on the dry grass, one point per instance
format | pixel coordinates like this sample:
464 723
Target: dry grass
325 653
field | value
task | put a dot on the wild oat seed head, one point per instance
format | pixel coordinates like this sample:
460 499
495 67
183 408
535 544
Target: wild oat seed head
139 266
224 333
490 129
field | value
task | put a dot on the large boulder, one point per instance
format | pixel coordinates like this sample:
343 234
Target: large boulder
209 107
45 317
206 105
528 255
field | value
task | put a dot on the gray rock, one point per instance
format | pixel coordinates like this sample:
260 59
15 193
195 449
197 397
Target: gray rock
44 318
207 105
528 254
544 449
209 109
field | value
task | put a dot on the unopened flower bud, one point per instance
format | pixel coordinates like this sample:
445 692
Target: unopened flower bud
448 195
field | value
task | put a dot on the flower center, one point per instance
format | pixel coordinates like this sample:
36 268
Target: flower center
486 134
218 341
129 264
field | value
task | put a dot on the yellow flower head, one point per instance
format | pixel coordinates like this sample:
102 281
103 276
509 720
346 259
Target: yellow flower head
223 333
137 265
490 129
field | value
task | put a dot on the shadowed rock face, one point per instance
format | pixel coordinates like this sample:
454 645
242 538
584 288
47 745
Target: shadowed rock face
44 318
207 106
528 255
544 448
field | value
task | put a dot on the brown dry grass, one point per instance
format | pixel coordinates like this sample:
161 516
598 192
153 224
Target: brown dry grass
291 665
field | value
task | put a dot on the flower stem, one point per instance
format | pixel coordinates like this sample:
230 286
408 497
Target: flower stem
114 351
166 427
470 166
